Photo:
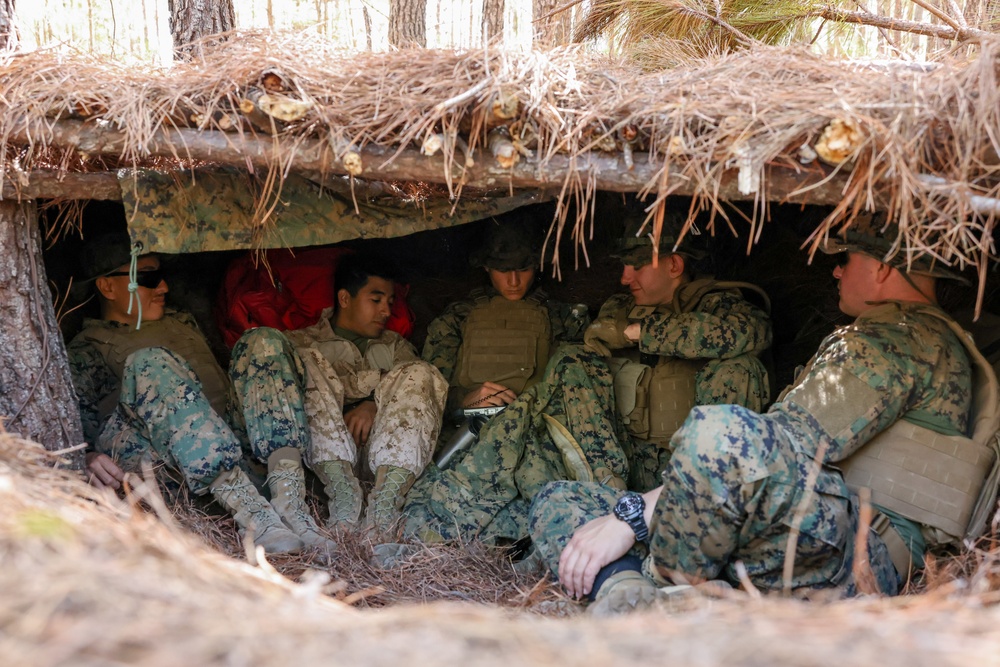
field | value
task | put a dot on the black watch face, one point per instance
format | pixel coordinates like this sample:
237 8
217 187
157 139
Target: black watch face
630 506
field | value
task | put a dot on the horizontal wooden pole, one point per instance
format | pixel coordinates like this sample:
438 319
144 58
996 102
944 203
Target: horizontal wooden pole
62 185
607 171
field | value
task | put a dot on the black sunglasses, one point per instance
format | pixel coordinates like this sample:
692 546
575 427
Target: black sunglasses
147 279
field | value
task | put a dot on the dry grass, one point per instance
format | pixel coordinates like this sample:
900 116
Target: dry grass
88 581
749 111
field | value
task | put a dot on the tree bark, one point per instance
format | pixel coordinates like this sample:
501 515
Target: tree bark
191 20
914 27
37 400
407 23
368 27
9 40
386 163
551 30
493 11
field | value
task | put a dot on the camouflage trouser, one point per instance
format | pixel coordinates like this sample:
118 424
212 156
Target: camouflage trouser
741 380
267 404
163 415
486 493
410 406
647 461
731 492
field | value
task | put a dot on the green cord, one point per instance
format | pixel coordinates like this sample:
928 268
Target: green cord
132 284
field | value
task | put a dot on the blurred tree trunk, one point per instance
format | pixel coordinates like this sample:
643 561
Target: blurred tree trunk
37 400
407 23
551 30
492 20
8 27
190 20
368 28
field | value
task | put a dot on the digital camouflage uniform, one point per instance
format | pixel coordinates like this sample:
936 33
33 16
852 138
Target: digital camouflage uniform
409 393
705 323
154 407
737 478
486 492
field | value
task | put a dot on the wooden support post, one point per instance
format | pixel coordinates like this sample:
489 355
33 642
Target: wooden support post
37 400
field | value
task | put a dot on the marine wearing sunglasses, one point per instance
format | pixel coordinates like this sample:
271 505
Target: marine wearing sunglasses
152 291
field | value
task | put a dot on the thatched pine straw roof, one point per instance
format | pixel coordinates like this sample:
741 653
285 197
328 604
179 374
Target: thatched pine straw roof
88 581
921 141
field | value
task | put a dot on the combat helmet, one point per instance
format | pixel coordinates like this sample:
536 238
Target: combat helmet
635 247
872 235
509 246
103 254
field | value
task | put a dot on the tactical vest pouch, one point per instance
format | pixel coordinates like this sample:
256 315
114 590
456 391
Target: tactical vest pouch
505 341
927 477
627 378
663 397
945 482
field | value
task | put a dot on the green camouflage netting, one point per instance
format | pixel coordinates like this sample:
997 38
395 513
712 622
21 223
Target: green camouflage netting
227 209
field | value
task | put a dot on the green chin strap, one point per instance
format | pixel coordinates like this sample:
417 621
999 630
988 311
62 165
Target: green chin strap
133 285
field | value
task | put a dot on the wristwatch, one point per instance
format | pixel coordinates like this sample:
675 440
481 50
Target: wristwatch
629 509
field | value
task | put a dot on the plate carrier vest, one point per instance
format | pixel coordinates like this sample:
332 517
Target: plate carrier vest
945 482
117 343
505 341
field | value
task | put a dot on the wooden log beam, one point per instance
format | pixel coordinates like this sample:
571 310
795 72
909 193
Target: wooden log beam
62 185
814 183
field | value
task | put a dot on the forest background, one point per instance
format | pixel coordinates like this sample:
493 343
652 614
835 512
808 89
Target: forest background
141 30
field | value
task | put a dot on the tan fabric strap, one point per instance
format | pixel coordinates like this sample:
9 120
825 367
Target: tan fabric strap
899 551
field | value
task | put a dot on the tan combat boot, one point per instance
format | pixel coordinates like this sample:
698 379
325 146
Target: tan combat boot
287 482
234 491
343 492
386 498
624 592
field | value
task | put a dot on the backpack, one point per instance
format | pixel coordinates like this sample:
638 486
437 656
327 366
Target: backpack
288 290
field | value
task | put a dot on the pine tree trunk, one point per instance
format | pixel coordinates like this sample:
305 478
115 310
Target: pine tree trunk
551 30
191 20
9 40
493 20
37 400
407 23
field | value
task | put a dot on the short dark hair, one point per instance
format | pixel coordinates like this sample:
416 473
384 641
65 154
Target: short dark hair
354 270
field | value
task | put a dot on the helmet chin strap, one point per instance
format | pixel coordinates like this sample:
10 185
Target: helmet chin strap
133 285
908 279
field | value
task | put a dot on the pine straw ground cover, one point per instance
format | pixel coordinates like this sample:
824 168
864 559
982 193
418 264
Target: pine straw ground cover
87 581
919 140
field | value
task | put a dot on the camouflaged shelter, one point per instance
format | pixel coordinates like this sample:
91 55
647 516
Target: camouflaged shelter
272 141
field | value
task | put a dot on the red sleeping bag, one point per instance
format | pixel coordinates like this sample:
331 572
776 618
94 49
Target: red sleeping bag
291 295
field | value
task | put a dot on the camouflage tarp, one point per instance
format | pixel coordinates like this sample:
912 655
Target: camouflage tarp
228 209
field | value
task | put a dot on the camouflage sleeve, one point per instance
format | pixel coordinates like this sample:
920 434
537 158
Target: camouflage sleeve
723 326
868 375
568 322
404 351
444 338
92 380
617 304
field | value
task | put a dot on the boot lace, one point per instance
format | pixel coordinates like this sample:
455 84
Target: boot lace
387 499
295 490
